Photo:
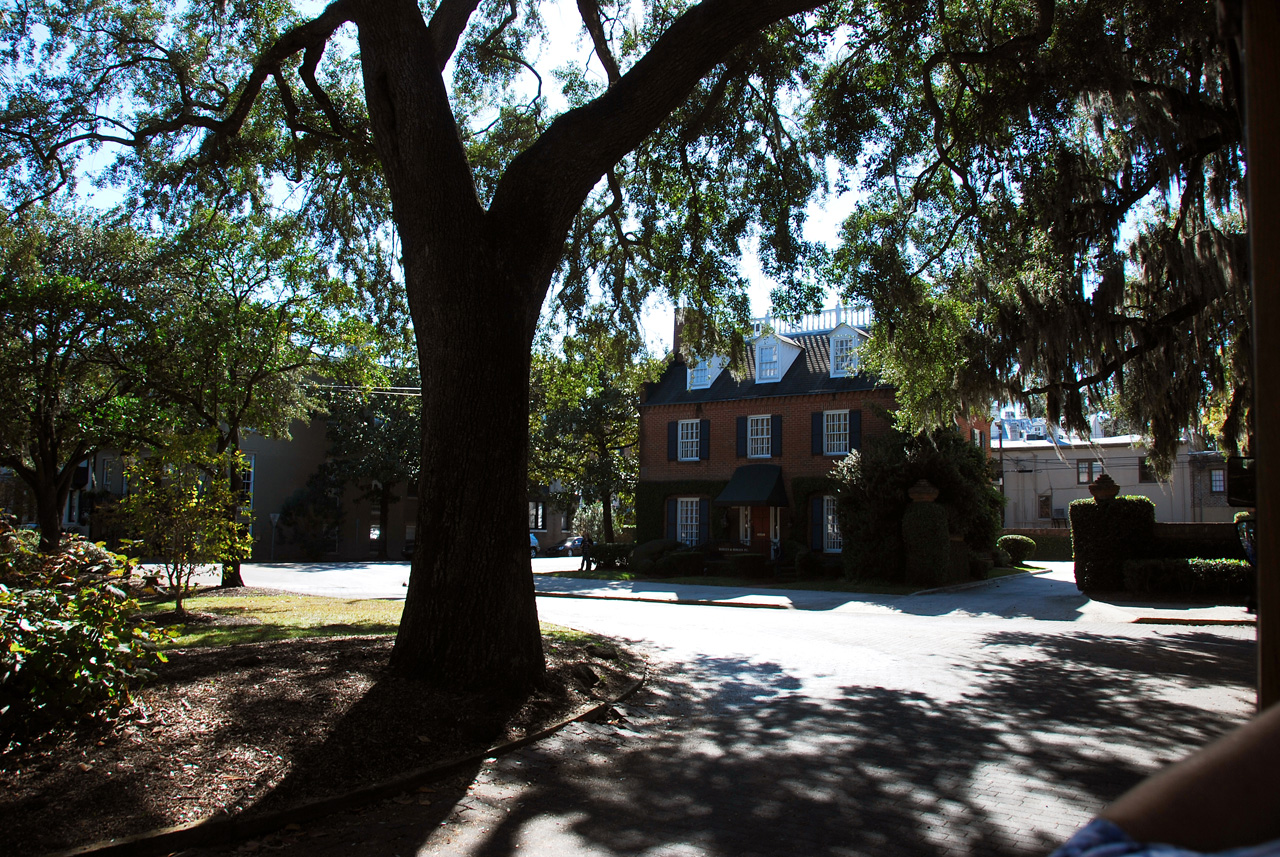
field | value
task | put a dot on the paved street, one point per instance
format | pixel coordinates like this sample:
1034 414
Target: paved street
986 721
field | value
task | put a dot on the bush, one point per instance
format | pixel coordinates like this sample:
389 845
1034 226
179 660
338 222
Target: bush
1019 548
924 531
872 489
612 554
1105 535
750 565
71 647
1231 578
719 568
809 565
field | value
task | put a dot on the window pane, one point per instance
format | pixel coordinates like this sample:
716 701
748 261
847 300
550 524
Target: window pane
689 430
844 357
1082 473
1217 481
758 437
768 367
831 526
687 525
836 433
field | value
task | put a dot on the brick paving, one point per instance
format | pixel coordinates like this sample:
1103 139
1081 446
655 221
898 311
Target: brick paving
772 733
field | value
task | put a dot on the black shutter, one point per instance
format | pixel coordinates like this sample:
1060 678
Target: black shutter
818 426
673 440
671 519
816 522
742 437
704 521
775 439
855 430
704 440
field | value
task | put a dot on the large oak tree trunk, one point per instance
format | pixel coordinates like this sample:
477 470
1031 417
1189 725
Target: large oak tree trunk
470 618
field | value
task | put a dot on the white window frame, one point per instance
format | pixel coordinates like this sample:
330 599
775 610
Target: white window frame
835 432
1092 468
832 541
844 356
699 376
247 478
538 516
1218 481
687 522
760 436
689 437
768 362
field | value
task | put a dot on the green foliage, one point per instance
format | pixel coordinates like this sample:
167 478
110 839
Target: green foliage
1230 578
1105 535
584 419
71 647
998 171
872 489
928 544
181 510
651 509
1019 548
612 554
311 516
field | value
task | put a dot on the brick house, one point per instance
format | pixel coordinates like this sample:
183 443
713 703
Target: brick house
744 459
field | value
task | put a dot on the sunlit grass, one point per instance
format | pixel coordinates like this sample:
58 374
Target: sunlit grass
263 618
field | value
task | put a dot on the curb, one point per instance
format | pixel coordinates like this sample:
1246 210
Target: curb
217 831
1189 620
697 602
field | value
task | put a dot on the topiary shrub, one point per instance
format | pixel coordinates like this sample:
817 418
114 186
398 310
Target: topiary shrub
1019 548
924 532
1230 578
1105 535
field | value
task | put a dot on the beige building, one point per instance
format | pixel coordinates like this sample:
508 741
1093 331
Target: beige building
1042 477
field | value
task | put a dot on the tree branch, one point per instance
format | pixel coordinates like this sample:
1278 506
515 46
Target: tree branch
589 10
447 26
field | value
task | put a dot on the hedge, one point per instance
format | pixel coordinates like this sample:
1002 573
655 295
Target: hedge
651 505
1232 578
1105 535
1019 548
612 554
925 534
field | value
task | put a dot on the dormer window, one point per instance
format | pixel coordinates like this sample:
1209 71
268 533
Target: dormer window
844 356
767 363
699 377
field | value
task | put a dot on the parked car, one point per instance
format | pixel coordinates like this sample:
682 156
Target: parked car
533 546
572 546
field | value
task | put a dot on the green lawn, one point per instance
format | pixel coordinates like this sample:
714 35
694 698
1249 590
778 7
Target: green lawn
261 618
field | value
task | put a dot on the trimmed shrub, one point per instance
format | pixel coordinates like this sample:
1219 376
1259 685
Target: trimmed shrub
1054 548
924 532
752 565
1019 548
809 566
612 554
688 563
1230 578
1105 535
719 568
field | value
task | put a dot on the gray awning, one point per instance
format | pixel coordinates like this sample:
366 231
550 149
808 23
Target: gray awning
754 485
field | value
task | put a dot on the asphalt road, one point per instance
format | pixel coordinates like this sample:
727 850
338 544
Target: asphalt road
970 723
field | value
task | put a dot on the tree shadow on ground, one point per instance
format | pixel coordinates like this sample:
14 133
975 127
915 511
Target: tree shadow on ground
734 762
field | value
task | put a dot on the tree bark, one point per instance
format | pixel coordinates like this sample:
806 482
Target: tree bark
231 577
384 510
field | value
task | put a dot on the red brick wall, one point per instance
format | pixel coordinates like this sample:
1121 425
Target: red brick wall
797 458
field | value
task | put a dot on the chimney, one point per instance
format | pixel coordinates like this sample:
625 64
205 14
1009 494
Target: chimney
677 339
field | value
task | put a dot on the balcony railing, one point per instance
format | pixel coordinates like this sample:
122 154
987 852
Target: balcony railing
827 319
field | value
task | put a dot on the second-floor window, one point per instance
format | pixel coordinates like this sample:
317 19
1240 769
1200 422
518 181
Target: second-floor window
1087 471
768 368
759 437
1218 480
835 432
1145 471
537 515
698 376
689 440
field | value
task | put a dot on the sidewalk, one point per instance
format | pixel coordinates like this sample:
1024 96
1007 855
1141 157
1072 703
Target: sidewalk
1049 594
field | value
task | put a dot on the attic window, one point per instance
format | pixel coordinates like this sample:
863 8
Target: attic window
767 363
699 376
844 357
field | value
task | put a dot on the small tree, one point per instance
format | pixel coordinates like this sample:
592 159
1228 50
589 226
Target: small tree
177 510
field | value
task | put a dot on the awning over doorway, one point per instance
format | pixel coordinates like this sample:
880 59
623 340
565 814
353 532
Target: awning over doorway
754 485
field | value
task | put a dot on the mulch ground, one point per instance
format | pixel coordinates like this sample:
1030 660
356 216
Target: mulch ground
256 728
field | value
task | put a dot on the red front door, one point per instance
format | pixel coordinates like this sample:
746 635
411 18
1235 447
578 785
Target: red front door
760 530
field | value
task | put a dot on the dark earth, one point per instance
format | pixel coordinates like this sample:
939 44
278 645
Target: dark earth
252 729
